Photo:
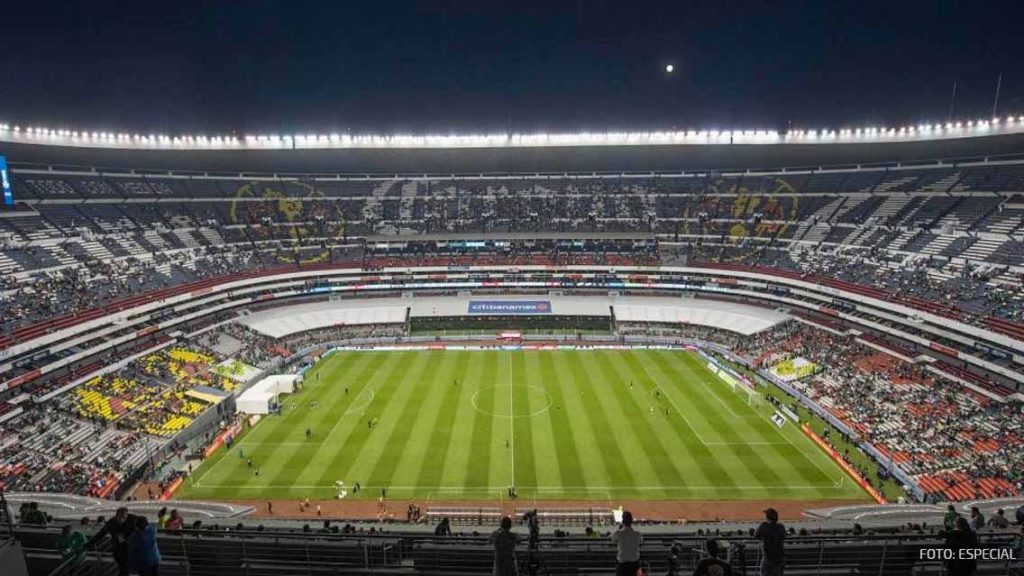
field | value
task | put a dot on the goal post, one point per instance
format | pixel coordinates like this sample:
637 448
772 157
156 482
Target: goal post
752 396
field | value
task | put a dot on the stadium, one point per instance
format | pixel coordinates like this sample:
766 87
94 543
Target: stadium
466 288
841 343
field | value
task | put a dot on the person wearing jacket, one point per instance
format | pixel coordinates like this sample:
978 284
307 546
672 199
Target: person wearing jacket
145 556
119 528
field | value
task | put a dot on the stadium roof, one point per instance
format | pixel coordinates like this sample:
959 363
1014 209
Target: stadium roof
525 154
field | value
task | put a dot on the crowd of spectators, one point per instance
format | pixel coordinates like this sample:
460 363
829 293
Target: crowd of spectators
979 290
235 340
771 548
387 332
679 332
90 439
45 450
150 394
958 443
976 289
89 284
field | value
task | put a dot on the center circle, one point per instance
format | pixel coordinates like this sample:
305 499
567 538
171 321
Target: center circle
494 401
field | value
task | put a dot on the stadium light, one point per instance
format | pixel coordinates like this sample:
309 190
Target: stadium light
969 127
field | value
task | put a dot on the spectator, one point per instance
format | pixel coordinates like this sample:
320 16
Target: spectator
1017 546
33 515
161 518
999 520
119 528
675 559
977 519
949 520
71 543
443 528
504 542
961 538
772 535
712 566
1019 514
145 556
628 542
175 521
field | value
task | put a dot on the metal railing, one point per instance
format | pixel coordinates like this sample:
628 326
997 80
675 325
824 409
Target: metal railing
284 553
6 520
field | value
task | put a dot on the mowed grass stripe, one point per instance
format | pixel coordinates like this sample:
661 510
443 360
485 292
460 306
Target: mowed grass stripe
670 430
274 459
353 437
430 396
295 460
648 428
605 435
416 386
478 467
500 473
628 426
709 468
318 384
594 466
526 456
563 438
801 470
788 443
453 471
597 439
359 373
544 438
440 419
750 457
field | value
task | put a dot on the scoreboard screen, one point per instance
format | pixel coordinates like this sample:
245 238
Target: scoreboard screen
5 179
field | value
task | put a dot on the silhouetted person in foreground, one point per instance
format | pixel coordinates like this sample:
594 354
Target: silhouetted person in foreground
712 566
145 556
772 535
961 538
627 540
120 529
504 542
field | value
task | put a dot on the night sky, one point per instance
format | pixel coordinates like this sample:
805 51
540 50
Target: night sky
472 65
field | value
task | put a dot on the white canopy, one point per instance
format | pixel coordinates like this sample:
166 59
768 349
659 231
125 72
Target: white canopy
257 400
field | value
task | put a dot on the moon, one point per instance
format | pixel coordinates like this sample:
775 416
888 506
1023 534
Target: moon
669 68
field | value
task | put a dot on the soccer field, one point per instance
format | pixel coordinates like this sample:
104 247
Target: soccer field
451 425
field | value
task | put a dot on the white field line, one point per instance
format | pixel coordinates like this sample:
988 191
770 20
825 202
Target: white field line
606 490
316 387
511 421
674 406
777 431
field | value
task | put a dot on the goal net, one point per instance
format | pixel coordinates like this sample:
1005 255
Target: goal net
753 397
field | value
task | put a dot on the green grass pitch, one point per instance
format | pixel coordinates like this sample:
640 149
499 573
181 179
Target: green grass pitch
464 425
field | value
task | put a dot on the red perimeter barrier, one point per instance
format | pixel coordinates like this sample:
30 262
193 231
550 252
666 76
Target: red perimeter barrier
232 430
214 445
169 491
843 464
